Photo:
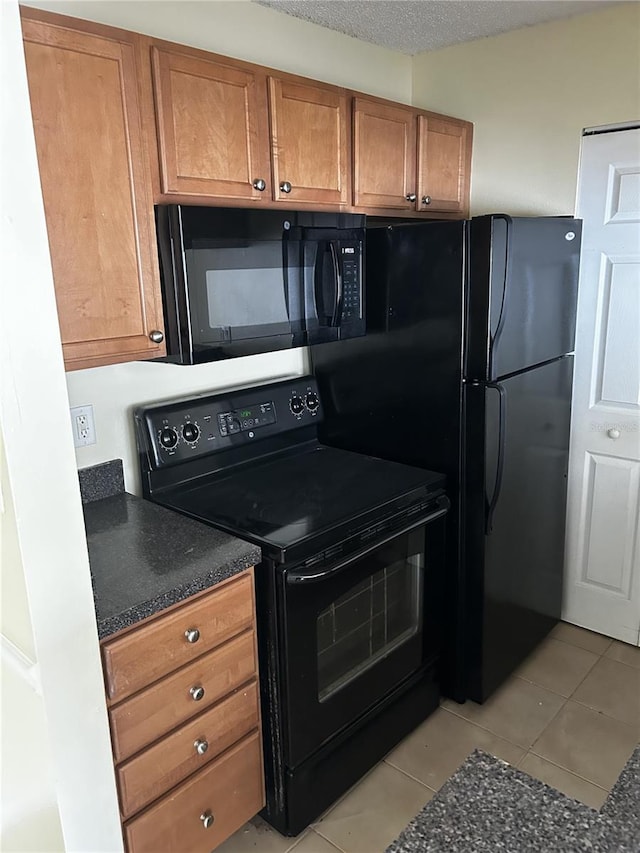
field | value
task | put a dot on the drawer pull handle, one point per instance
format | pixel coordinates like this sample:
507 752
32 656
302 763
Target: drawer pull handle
197 693
201 746
192 635
207 819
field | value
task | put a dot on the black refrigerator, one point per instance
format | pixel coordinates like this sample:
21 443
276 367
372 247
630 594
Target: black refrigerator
466 368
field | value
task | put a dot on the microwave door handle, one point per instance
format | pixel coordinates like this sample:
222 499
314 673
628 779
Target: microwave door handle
318 282
337 305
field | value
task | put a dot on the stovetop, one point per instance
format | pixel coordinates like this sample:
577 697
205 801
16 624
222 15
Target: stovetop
272 483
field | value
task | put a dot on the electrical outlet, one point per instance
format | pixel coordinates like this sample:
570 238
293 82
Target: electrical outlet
84 429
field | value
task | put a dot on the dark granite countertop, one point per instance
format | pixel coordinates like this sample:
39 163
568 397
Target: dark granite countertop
144 558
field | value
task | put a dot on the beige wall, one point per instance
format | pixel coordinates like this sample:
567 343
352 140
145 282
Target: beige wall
529 93
250 32
255 33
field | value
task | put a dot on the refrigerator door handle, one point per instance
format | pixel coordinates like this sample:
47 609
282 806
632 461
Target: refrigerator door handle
505 287
497 485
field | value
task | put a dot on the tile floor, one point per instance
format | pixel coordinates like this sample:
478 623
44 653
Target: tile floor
569 716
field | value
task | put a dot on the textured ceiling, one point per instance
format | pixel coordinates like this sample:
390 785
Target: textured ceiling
413 26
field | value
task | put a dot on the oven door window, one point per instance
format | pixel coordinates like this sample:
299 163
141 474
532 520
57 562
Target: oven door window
354 634
368 622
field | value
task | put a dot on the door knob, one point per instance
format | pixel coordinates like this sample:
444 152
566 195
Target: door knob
197 693
207 819
156 336
613 433
201 746
426 199
285 186
410 196
192 635
259 184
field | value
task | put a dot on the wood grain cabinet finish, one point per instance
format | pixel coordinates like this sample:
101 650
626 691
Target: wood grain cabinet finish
384 155
139 658
187 745
147 776
212 126
206 809
95 179
310 130
143 718
444 164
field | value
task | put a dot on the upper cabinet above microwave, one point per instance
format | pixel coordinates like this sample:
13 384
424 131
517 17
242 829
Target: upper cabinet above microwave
123 121
227 130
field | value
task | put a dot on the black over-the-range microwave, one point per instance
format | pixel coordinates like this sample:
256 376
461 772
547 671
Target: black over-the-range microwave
238 282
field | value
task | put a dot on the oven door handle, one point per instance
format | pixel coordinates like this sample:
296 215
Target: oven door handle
292 578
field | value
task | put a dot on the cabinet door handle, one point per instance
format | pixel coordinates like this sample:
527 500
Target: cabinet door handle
207 819
192 635
426 199
259 184
285 186
156 336
197 693
410 196
201 746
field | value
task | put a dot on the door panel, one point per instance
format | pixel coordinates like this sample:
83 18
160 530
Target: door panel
602 590
310 148
212 130
95 186
523 544
444 164
384 155
534 286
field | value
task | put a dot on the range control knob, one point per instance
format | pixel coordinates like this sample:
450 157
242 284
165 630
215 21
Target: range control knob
168 438
312 401
190 432
296 404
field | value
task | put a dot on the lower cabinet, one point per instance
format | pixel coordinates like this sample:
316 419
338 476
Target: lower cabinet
187 746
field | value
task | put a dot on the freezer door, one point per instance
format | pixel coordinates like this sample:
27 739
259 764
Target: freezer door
515 547
523 290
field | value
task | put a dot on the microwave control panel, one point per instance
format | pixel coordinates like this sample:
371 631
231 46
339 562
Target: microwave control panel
180 430
351 291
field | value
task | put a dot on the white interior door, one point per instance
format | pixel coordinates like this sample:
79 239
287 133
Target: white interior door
602 587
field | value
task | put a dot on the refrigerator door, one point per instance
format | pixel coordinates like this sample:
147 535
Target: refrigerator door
517 456
523 290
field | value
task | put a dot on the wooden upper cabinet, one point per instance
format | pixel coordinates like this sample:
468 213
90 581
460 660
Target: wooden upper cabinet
384 157
96 189
444 164
212 127
310 151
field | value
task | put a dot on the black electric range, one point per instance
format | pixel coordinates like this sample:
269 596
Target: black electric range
348 589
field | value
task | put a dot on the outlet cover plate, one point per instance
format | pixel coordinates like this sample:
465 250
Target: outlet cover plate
83 426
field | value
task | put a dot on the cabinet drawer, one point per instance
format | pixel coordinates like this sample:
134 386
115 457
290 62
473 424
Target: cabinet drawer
168 762
170 702
141 657
230 789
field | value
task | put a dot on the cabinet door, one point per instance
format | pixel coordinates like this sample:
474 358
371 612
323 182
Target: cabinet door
309 139
444 164
384 156
95 185
212 127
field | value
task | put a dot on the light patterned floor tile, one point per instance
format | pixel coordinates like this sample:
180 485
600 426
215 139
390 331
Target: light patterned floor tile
434 751
518 712
557 666
614 689
257 837
570 784
624 653
374 812
580 637
313 843
589 744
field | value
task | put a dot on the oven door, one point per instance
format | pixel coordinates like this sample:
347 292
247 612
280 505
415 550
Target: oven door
355 630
